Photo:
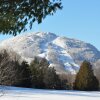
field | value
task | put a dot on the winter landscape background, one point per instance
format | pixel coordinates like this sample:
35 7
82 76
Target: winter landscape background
59 58
64 54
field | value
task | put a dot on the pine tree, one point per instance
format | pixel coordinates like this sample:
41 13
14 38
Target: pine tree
38 67
44 76
85 79
15 15
51 79
24 75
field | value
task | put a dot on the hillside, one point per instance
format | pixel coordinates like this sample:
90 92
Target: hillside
65 54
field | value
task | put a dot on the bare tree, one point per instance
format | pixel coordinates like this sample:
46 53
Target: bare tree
13 73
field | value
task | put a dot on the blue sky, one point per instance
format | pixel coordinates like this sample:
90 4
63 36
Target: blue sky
78 19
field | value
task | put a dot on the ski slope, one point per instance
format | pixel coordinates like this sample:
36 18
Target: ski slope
13 93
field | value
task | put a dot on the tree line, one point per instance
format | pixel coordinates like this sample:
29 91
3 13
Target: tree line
38 74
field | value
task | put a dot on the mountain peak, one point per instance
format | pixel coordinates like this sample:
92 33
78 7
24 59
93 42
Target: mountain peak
43 34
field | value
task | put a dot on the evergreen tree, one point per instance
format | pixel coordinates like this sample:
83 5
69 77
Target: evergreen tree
51 79
24 75
16 14
38 67
44 76
85 79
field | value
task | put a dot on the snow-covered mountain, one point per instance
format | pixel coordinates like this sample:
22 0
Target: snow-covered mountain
63 53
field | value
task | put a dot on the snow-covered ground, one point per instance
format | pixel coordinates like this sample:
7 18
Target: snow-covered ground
12 93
